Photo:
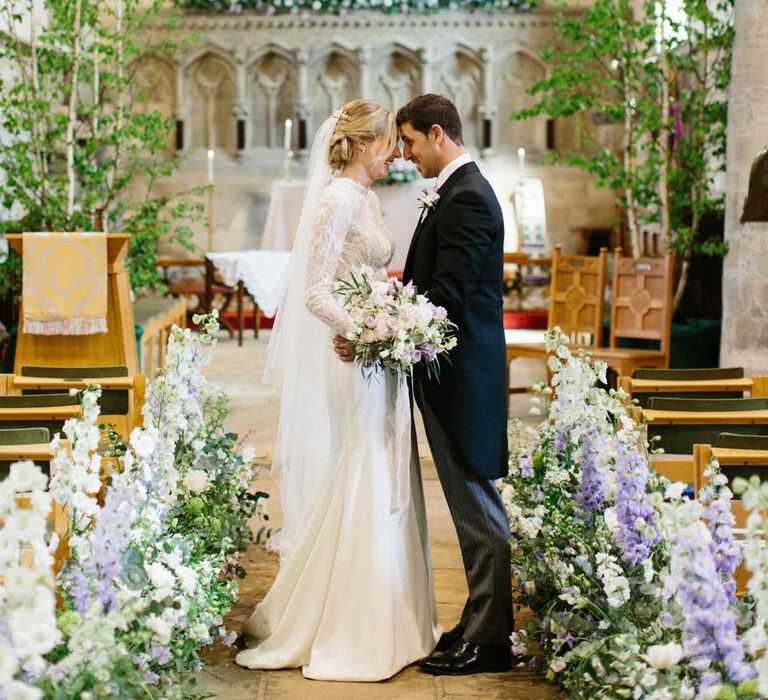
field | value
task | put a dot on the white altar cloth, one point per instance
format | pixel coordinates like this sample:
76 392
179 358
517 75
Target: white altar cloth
264 274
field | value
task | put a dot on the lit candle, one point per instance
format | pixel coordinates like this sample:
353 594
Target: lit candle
521 161
287 135
210 166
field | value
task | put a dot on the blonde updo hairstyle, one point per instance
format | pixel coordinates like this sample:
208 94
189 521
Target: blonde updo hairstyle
361 121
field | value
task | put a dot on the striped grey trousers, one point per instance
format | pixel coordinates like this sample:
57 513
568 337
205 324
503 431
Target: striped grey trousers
483 531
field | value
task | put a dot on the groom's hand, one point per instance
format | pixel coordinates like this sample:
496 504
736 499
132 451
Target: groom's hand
343 348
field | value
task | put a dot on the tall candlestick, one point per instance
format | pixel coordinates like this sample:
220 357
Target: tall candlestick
287 135
210 166
521 161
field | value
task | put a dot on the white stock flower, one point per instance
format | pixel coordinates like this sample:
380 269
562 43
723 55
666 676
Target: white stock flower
159 628
143 441
16 690
162 579
196 481
188 578
661 656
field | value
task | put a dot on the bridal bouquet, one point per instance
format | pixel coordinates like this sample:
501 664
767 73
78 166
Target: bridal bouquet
395 328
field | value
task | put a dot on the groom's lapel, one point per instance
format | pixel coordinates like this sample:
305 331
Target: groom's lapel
470 167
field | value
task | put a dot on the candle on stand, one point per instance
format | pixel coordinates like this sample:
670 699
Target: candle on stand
521 161
287 135
210 166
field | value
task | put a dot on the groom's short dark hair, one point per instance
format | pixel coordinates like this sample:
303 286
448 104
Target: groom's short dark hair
425 110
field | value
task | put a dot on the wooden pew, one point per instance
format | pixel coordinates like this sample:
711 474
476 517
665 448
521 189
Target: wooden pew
122 397
733 462
683 429
41 452
700 420
155 316
733 386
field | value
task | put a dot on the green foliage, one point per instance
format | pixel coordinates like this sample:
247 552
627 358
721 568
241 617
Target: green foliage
663 82
78 132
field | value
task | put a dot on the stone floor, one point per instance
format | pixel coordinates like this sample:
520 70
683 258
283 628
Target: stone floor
254 417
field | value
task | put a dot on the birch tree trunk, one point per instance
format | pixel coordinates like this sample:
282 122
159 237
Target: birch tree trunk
72 112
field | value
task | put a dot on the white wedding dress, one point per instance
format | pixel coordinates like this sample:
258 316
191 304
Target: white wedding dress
354 598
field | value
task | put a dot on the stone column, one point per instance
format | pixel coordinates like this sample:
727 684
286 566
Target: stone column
745 278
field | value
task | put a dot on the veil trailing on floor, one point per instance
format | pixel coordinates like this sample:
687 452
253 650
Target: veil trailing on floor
298 362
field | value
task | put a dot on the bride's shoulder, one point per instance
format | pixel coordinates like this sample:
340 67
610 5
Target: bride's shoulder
341 189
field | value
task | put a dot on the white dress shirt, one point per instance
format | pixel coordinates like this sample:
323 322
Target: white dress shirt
451 168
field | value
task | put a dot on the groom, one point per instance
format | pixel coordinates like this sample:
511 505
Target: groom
456 259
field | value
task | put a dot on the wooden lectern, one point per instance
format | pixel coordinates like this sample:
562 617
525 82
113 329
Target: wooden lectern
115 347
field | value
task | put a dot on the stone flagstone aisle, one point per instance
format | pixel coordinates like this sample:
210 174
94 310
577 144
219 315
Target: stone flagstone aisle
254 417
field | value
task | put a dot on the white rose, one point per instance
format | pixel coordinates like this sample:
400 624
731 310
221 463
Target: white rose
662 656
159 628
196 481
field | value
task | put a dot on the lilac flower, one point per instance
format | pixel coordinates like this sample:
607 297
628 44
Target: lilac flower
592 491
639 529
716 499
160 654
111 536
561 440
710 634
79 589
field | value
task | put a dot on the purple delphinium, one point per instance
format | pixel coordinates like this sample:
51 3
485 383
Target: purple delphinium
639 527
716 499
79 589
709 632
111 536
591 484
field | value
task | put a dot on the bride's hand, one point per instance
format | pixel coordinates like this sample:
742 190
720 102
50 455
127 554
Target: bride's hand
343 348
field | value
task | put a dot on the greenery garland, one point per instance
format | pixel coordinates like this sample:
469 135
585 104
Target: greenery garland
342 7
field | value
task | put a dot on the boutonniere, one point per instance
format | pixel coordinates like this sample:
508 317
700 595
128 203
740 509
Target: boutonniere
429 201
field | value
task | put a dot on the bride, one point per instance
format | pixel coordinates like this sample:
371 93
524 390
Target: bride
353 600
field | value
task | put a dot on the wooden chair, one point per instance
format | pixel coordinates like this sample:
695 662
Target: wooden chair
713 383
681 423
641 310
733 463
122 396
576 303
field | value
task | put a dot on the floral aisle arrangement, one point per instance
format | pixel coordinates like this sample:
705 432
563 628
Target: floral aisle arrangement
343 7
152 570
754 494
394 327
630 584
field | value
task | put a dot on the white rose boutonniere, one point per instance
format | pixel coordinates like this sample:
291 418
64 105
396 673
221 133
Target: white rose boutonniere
429 201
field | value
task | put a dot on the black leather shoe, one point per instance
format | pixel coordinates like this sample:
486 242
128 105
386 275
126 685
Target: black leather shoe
464 658
448 639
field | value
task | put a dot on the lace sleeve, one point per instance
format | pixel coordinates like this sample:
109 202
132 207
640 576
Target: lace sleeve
330 228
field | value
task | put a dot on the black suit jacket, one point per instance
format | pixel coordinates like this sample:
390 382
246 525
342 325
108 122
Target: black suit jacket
456 258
